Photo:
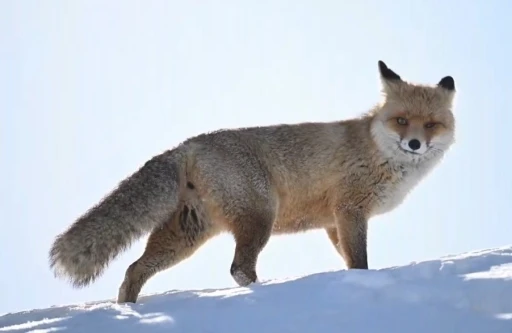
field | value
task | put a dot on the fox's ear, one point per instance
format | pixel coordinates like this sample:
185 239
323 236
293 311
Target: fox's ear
387 74
390 80
447 83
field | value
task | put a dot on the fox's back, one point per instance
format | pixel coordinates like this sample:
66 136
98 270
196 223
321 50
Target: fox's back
300 166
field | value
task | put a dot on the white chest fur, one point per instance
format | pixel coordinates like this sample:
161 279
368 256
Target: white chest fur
391 195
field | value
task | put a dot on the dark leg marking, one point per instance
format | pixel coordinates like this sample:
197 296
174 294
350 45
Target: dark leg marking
191 224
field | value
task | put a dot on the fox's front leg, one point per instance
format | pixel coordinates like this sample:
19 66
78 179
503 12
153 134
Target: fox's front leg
332 233
350 238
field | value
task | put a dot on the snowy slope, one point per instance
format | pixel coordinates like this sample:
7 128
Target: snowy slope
467 293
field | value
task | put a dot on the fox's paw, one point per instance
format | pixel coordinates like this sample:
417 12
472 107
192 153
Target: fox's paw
126 295
243 278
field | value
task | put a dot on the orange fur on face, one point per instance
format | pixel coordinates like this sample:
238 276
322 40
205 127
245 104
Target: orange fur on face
419 121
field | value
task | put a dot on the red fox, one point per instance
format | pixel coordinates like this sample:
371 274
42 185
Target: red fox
261 181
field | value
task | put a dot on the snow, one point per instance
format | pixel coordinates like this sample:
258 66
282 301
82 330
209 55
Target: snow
470 292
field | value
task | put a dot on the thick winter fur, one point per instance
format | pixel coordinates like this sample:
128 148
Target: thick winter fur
262 181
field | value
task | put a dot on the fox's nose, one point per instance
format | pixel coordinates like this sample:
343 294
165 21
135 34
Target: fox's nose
414 144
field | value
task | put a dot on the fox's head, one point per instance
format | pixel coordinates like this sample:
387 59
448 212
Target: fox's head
415 122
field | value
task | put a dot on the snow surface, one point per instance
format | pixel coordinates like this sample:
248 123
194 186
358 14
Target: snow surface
465 293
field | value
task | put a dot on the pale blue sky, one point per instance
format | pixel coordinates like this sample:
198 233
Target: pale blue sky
90 90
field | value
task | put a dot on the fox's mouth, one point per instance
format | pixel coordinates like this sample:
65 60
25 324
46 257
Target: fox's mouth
408 152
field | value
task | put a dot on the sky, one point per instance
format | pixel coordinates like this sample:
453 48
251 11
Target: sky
89 90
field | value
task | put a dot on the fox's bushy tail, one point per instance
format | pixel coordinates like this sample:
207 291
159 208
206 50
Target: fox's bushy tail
140 203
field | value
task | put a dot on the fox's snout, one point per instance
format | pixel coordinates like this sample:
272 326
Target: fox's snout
414 145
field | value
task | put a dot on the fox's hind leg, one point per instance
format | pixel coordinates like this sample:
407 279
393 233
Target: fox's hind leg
252 232
175 241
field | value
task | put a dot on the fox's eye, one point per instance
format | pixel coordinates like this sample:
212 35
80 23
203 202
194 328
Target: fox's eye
401 121
430 125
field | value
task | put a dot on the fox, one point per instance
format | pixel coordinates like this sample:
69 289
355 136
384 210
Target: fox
255 182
